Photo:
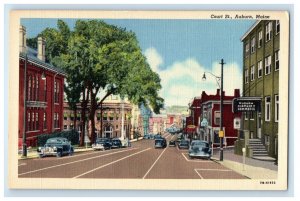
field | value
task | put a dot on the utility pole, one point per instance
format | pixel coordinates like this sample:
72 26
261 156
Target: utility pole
221 134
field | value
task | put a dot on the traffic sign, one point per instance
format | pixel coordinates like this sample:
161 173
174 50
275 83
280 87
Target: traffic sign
246 104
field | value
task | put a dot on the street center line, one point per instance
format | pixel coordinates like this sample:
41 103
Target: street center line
110 163
154 163
198 174
74 162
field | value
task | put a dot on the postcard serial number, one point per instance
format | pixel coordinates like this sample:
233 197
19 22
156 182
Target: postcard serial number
267 182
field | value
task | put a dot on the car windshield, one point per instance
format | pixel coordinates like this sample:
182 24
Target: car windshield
184 142
54 141
101 140
202 144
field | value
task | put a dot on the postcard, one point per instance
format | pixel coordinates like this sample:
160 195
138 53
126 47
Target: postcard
148 100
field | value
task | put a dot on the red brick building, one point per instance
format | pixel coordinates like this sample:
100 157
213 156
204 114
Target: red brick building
206 108
41 89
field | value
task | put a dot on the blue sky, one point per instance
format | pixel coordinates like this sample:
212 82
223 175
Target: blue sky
181 51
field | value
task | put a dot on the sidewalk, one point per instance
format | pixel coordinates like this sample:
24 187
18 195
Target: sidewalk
253 169
33 153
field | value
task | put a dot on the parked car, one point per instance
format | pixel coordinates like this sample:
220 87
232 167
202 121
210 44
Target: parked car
146 136
57 146
179 138
116 143
151 136
172 143
160 143
200 149
102 144
183 144
157 136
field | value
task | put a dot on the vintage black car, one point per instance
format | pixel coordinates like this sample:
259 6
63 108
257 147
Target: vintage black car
116 143
157 136
200 149
160 143
57 146
183 144
102 144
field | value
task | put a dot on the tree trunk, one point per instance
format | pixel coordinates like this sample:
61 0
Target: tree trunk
83 111
92 117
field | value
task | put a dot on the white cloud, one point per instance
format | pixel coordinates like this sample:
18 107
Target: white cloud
182 81
153 58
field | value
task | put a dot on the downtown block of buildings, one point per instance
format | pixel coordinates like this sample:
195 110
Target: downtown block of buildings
42 109
259 129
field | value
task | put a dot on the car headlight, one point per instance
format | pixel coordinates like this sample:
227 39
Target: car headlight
54 148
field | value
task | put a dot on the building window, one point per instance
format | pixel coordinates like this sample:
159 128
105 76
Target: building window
65 116
217 118
246 76
37 88
251 115
253 45
45 90
252 72
246 115
277 60
56 92
277 26
29 88
56 120
259 69
65 127
276 108
98 116
45 121
28 121
33 90
247 49
268 31
105 116
267 108
267 65
260 40
78 117
36 121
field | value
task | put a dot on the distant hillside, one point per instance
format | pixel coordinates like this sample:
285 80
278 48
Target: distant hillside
177 109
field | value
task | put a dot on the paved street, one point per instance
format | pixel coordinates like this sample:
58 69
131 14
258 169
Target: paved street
141 160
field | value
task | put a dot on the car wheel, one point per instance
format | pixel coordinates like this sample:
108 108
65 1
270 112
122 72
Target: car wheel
41 155
59 154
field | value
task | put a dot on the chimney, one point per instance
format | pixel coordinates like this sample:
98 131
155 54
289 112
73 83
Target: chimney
22 39
41 49
218 92
237 93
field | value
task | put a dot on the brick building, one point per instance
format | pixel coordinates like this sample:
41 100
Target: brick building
41 89
210 113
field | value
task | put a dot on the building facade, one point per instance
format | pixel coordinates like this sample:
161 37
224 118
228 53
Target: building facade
210 113
261 61
41 88
111 121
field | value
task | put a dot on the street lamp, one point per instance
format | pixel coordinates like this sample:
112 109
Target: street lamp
219 79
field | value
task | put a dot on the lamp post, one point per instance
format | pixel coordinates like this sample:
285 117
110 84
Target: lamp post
219 79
